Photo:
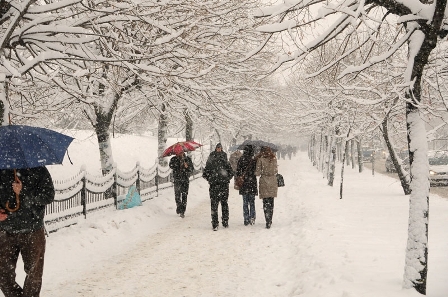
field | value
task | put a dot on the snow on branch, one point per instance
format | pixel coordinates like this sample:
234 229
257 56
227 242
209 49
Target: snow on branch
377 59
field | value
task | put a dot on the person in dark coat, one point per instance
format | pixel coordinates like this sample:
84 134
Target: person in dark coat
182 167
218 172
246 166
22 228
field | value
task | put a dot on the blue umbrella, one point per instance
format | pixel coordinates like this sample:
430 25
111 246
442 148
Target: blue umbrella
27 147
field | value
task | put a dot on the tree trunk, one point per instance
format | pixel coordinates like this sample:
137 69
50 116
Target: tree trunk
332 161
219 135
342 169
327 158
326 151
360 161
332 166
161 136
321 159
416 263
345 156
188 127
3 103
404 178
352 149
101 126
339 149
313 149
104 146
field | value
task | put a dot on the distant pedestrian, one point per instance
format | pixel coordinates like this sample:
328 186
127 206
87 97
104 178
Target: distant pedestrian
267 169
282 150
218 173
246 166
182 167
289 151
22 228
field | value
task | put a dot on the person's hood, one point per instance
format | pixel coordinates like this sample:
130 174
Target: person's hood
219 155
249 150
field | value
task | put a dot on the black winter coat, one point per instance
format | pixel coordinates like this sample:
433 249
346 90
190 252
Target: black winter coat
218 169
246 162
37 191
180 173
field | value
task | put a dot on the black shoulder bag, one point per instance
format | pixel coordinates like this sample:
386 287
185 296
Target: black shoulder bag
280 180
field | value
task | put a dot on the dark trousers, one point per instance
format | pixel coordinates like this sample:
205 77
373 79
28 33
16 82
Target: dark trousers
219 193
32 248
268 207
180 195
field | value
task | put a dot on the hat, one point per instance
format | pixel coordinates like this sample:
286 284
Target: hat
218 146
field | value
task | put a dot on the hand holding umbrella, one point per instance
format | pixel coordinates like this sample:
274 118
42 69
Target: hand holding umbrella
3 215
16 187
185 164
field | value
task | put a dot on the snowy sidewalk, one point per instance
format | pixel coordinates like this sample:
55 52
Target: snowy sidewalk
319 245
186 258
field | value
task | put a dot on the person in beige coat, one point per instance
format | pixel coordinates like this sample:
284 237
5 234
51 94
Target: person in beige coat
233 159
267 186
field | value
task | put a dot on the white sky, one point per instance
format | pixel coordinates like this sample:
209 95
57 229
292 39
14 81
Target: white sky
318 245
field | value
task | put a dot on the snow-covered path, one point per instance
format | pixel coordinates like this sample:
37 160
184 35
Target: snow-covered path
187 258
175 262
318 246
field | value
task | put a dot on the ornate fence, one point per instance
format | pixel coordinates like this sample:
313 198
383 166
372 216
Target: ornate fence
85 193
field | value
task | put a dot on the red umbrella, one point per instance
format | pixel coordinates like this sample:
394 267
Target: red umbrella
180 147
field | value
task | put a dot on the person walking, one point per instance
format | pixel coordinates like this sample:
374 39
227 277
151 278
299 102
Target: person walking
22 231
233 159
267 169
218 173
246 166
182 167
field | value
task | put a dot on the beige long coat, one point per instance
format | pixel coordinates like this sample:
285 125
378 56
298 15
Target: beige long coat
267 169
233 159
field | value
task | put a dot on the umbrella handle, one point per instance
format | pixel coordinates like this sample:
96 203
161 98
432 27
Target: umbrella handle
17 197
15 208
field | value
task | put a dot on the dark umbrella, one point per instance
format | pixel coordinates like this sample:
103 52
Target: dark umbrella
248 142
27 147
272 146
180 147
258 144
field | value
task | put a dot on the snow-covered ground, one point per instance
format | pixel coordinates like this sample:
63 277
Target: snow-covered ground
318 245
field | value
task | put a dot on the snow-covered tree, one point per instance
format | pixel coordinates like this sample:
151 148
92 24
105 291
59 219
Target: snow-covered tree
105 55
421 29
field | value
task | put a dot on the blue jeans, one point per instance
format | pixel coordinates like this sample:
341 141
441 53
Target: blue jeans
248 207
